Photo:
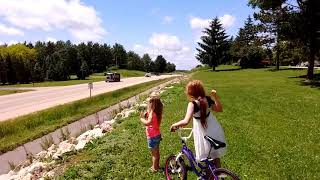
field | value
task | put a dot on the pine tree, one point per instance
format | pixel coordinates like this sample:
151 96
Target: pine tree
214 46
84 69
247 45
146 62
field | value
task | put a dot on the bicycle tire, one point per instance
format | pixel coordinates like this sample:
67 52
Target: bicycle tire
172 165
225 174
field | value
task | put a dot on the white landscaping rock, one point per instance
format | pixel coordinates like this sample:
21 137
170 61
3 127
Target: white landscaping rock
119 115
5 177
91 134
106 127
36 168
49 175
64 147
29 176
81 144
128 112
51 151
72 140
41 155
22 173
84 138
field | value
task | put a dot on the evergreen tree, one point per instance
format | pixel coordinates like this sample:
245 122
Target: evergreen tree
146 63
271 15
214 46
119 55
160 64
3 71
11 75
247 45
84 69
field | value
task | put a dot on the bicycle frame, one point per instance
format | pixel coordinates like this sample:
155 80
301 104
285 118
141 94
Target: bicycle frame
189 154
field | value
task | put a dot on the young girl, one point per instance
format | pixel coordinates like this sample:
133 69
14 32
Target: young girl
152 120
204 122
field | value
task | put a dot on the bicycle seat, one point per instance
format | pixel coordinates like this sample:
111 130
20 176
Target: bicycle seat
215 143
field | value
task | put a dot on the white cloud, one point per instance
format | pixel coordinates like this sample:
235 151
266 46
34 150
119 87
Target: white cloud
171 47
198 23
5 30
165 41
74 16
12 42
167 20
227 20
51 39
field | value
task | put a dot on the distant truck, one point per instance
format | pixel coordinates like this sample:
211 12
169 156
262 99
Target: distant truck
112 77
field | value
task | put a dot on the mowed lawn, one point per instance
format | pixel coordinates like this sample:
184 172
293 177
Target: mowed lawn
271 124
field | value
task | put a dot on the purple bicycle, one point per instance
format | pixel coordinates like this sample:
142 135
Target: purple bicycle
176 168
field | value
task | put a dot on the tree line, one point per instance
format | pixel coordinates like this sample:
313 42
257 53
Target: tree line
279 32
27 62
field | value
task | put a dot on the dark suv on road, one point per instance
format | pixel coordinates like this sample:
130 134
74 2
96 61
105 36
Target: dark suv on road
112 77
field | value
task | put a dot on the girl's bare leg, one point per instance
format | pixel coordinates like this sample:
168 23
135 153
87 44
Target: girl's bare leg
217 162
155 158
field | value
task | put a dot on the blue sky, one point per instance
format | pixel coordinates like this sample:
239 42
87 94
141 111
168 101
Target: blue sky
166 27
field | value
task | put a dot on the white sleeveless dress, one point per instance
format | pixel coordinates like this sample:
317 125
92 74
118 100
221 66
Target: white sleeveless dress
214 130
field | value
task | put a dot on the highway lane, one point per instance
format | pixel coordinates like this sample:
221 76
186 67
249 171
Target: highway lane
14 105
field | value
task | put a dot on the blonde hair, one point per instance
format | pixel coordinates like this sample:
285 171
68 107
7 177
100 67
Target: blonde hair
195 91
156 106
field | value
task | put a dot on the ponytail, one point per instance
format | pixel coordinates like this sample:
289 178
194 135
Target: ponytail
203 112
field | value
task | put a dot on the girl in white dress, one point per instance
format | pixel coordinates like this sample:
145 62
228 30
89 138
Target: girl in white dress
204 122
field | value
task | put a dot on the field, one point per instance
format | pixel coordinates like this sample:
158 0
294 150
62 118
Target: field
92 78
25 128
271 122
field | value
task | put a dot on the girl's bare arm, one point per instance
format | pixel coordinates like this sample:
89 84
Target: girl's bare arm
186 119
147 121
217 107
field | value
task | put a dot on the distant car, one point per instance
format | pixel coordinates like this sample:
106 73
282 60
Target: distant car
147 75
112 77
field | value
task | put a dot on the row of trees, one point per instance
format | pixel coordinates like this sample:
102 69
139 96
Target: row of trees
23 63
281 33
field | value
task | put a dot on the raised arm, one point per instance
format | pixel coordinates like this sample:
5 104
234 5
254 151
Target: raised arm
217 107
186 119
146 121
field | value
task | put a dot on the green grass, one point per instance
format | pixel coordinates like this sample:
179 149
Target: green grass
92 78
25 128
6 92
271 123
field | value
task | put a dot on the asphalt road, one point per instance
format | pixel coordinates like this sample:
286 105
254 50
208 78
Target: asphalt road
14 105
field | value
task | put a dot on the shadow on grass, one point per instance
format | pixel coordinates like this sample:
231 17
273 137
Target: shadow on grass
282 69
315 83
221 70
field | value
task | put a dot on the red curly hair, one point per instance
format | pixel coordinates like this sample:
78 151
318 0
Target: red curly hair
195 91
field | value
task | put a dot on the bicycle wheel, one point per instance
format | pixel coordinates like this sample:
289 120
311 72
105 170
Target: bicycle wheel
225 174
175 169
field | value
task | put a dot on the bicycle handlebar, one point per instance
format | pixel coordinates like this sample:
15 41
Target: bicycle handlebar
182 137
